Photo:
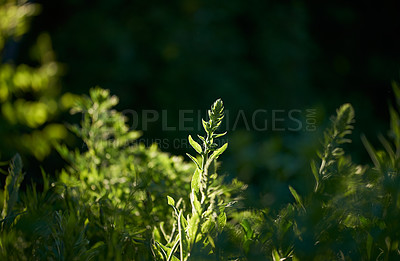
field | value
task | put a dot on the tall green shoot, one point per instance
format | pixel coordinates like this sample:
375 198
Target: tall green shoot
207 214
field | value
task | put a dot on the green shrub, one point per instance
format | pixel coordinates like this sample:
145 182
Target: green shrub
121 181
194 234
29 95
120 200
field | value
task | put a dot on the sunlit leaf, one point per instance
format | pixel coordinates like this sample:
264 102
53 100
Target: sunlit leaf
195 145
171 201
219 151
194 160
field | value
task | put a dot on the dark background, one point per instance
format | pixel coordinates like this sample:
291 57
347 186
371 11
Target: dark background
173 55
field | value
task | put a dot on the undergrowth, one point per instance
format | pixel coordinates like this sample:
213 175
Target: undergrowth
120 200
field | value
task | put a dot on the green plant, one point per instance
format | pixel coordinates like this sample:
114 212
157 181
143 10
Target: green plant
120 179
351 213
380 229
193 236
304 229
13 182
29 95
109 203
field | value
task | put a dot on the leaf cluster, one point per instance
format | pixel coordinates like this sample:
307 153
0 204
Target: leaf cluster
120 200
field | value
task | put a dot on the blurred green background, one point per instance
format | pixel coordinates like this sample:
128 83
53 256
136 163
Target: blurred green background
175 55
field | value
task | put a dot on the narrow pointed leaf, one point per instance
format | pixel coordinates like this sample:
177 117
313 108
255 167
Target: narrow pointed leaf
296 196
195 184
371 151
195 145
160 250
388 148
173 250
275 255
205 125
194 160
314 170
211 240
219 135
219 151
202 138
196 205
193 226
221 221
11 188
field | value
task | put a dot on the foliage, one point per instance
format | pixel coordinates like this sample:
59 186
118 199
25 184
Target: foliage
120 200
194 234
350 215
118 175
29 94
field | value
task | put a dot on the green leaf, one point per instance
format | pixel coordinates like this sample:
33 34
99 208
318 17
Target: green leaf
344 118
275 255
314 171
371 151
173 250
11 188
221 221
296 196
219 135
216 113
388 148
247 228
164 251
211 240
207 226
160 250
196 205
17 164
195 145
193 226
219 151
205 125
396 91
395 126
171 201
195 184
202 138
194 160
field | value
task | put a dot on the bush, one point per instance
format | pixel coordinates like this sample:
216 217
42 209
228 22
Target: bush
120 200
29 94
